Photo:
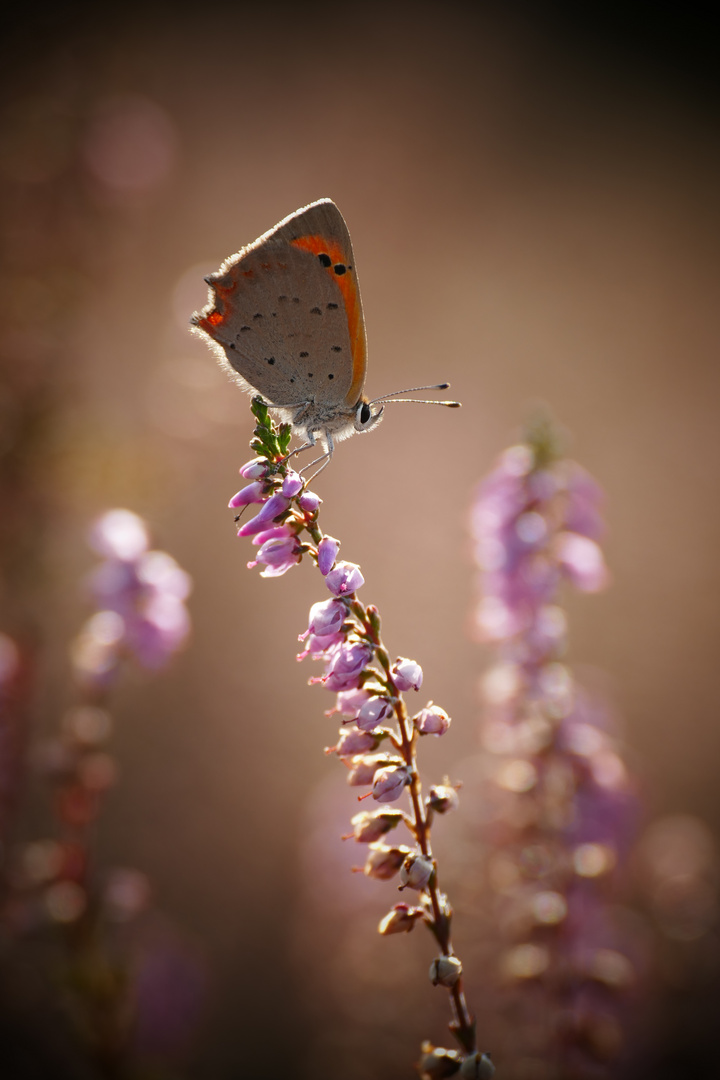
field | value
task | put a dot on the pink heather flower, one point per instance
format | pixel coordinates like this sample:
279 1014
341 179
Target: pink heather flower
253 470
370 825
276 532
345 578
401 920
349 702
319 647
416 871
407 674
326 619
119 534
327 554
275 505
277 556
390 782
442 798
352 741
582 560
292 484
309 501
432 720
365 767
347 665
142 594
445 971
253 493
375 711
383 862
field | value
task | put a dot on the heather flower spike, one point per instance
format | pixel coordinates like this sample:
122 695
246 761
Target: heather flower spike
562 805
344 635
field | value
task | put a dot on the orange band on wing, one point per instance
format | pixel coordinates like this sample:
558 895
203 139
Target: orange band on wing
347 283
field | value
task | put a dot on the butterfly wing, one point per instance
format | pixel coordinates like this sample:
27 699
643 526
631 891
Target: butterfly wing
284 313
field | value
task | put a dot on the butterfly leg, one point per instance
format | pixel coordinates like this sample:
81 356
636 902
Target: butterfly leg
325 458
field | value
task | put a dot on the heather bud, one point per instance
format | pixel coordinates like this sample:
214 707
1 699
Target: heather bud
432 720
369 826
416 872
390 782
253 493
365 767
375 711
438 1063
275 505
442 798
326 618
383 862
407 674
309 501
477 1067
400 920
253 470
352 741
445 971
327 554
292 484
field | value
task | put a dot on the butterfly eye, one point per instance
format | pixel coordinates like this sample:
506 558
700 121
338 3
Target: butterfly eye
365 418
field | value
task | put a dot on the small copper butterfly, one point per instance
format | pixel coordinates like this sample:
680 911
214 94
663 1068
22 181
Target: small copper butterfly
285 319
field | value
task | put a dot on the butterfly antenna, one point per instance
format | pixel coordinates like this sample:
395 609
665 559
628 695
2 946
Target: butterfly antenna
418 401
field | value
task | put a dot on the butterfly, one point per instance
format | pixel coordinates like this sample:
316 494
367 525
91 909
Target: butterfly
285 319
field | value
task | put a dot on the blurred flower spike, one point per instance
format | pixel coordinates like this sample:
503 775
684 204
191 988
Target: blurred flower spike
344 635
563 807
141 597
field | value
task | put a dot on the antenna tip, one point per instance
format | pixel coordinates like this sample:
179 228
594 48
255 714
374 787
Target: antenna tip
452 404
443 386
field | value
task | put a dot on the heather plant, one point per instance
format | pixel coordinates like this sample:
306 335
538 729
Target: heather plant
59 893
378 739
562 801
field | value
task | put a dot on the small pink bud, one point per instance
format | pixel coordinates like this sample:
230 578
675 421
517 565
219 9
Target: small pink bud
407 674
432 720
344 578
327 554
445 971
416 872
309 501
383 862
375 711
370 825
582 561
400 920
365 767
275 505
352 741
390 782
253 493
346 666
326 618
442 798
349 702
253 470
291 484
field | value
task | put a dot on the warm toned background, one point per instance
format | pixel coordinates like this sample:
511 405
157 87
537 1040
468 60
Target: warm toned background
533 200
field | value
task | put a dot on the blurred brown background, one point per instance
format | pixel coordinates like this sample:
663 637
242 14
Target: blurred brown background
533 200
